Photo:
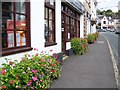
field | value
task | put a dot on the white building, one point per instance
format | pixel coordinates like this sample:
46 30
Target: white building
44 25
104 22
93 16
38 24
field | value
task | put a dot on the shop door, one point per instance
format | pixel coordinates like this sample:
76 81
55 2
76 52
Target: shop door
63 31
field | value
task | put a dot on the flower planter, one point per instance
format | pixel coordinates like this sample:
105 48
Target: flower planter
60 57
69 52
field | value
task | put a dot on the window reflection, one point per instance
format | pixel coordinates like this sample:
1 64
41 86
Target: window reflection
20 22
7 20
20 38
7 39
49 25
20 6
14 24
7 6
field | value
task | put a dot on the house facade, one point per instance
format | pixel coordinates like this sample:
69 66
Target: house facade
42 24
93 16
104 22
87 17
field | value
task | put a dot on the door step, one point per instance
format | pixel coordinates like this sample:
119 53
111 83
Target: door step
65 57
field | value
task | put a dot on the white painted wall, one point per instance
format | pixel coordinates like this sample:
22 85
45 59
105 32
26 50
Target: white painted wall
93 15
102 24
37 30
82 26
56 48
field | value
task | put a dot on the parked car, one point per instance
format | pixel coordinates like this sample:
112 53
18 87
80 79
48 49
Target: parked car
117 31
112 30
101 30
108 29
104 30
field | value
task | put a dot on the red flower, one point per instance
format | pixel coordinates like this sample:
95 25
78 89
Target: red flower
3 87
53 71
12 82
3 72
51 50
53 65
3 69
54 55
58 61
32 58
28 55
30 80
35 48
10 62
36 54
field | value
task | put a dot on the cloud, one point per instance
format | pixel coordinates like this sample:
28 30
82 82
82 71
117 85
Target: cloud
108 4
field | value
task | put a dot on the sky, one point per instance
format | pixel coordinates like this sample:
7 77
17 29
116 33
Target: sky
108 4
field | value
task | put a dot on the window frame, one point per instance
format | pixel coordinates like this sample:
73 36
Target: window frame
104 22
50 7
69 12
18 49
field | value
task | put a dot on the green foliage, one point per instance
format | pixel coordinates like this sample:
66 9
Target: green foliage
79 46
76 46
108 12
32 72
84 45
92 37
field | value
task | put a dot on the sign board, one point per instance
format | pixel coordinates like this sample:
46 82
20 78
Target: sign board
77 4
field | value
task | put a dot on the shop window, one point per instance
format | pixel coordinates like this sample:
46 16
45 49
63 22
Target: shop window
49 23
15 30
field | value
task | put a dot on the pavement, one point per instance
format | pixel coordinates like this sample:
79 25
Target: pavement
91 70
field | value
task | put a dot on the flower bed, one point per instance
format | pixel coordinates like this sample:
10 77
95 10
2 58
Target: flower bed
32 72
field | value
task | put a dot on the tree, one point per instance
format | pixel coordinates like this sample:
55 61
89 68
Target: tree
103 12
109 12
98 12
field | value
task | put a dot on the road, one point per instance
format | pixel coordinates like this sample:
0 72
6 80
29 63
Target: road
113 40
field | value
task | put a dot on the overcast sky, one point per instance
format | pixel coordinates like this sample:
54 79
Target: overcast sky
108 4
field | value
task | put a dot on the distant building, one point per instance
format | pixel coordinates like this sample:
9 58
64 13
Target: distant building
104 22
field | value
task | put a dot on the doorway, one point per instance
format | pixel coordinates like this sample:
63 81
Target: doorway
63 32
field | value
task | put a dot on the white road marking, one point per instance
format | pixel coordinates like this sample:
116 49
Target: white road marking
117 77
100 42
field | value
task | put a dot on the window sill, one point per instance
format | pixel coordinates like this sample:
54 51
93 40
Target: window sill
15 51
50 44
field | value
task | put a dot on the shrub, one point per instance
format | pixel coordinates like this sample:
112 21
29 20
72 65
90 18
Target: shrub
91 38
32 72
84 45
76 46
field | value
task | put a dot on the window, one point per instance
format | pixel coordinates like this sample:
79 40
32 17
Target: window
15 30
67 28
72 22
104 22
49 22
